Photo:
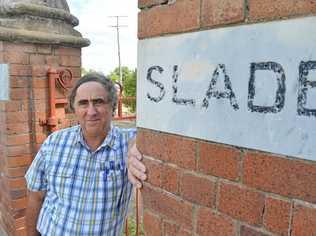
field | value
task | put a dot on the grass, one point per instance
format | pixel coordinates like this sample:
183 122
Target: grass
132 227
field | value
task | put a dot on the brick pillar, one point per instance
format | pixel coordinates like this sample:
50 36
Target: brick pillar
28 55
201 187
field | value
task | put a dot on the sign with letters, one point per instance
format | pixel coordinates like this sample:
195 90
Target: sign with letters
252 86
4 82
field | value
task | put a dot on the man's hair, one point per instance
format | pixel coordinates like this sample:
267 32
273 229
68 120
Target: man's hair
107 84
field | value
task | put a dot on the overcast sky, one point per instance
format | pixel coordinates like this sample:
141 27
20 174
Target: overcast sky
94 24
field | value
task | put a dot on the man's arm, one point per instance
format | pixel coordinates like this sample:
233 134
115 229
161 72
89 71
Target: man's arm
136 169
34 204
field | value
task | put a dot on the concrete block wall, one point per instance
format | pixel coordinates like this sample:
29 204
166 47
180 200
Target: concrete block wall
197 187
21 132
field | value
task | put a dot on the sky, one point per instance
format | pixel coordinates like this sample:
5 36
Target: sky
94 24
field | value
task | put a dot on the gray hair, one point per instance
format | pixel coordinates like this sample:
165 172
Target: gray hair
107 84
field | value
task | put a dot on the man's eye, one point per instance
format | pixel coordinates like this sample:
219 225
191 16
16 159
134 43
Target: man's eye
99 102
83 103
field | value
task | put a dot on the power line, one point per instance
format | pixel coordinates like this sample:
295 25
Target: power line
118 26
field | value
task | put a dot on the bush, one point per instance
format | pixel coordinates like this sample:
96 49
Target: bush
129 85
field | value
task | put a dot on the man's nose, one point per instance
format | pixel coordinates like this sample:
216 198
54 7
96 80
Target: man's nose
91 109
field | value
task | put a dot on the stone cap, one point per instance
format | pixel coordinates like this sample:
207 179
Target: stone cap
39 21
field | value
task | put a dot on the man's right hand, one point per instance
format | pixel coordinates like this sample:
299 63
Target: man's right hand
136 169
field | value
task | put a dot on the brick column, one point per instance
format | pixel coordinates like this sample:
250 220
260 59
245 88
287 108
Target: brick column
28 56
21 132
198 187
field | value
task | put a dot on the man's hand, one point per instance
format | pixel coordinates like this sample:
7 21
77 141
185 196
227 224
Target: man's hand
136 169
34 204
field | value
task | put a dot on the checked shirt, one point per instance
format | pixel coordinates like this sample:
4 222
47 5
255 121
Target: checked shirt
87 193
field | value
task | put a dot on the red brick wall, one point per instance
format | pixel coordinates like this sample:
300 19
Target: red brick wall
21 132
202 188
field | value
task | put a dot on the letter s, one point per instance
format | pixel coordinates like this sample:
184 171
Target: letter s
156 83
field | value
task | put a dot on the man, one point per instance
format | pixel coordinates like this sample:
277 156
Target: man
78 182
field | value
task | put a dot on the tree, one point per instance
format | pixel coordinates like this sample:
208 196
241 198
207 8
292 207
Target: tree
85 71
129 84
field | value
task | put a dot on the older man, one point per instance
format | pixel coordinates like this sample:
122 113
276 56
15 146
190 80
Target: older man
78 182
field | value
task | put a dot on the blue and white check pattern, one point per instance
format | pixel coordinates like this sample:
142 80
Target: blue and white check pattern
87 193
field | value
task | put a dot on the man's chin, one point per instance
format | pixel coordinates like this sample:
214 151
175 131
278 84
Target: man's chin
90 127
94 130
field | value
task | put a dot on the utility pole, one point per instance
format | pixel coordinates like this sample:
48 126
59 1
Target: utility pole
117 26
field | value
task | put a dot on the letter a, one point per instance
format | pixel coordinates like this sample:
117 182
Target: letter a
227 93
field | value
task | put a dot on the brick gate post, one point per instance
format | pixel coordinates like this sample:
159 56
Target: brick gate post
33 37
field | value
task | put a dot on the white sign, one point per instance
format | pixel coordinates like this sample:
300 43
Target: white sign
4 82
251 86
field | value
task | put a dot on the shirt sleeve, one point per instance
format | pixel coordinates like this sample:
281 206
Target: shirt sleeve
127 135
131 133
36 175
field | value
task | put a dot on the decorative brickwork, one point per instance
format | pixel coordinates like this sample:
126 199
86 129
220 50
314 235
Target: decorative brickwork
21 116
21 132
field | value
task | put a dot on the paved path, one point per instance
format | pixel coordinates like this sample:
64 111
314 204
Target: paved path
125 123
2 233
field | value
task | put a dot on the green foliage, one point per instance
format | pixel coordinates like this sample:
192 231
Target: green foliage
129 85
85 71
132 228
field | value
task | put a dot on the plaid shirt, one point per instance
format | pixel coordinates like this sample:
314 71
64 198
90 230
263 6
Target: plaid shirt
87 193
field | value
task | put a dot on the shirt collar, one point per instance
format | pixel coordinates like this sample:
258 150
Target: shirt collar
109 140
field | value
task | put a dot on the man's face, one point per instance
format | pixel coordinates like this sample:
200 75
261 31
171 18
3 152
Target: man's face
93 110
